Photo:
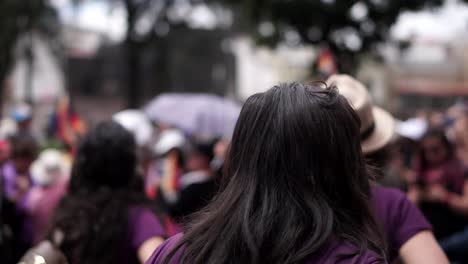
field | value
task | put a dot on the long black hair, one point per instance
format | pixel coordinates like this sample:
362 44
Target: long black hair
295 177
104 184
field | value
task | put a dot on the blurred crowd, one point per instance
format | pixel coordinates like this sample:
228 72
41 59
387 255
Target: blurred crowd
164 173
79 186
428 160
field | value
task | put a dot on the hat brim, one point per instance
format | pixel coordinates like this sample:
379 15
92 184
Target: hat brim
383 133
40 175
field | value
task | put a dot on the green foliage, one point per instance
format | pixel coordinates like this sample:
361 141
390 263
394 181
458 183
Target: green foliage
328 22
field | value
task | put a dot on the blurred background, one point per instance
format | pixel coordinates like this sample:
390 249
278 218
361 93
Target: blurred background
108 55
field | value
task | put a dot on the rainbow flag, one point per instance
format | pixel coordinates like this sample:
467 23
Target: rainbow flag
65 124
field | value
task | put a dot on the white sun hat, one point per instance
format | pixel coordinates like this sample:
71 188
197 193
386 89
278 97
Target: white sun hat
50 166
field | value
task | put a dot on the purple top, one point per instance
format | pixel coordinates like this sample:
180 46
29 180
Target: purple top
142 225
12 191
400 219
40 204
450 174
10 180
327 255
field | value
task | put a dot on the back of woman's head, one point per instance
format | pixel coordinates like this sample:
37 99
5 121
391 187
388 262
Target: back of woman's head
93 216
295 176
106 157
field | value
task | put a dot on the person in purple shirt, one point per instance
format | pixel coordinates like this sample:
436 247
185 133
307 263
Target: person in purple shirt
104 218
402 221
279 202
17 183
15 172
407 233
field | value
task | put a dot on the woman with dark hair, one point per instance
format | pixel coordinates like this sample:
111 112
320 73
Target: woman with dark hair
438 172
279 202
104 218
437 162
17 183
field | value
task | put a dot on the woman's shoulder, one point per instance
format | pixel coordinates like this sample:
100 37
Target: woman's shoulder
392 204
334 252
399 218
344 252
387 200
386 193
165 248
143 224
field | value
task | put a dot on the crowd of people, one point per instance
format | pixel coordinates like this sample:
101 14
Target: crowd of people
313 173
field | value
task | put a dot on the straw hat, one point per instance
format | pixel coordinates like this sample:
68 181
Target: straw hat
377 125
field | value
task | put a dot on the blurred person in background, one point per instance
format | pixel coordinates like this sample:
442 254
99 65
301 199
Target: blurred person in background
460 133
438 171
405 229
17 182
279 201
22 114
410 133
65 126
137 123
170 151
50 173
455 246
7 211
15 172
437 120
105 217
195 187
187 178
220 151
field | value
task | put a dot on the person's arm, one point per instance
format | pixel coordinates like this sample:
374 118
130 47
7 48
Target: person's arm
414 194
167 246
147 248
422 248
168 187
146 232
459 203
406 229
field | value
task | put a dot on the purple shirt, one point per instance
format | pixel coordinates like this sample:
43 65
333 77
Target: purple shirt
10 178
12 192
40 204
399 218
142 225
327 255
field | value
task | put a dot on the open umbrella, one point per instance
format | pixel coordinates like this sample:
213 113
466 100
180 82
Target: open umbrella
201 115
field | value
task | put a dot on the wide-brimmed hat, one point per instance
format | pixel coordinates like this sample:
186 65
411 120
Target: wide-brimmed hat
137 123
50 166
168 140
377 125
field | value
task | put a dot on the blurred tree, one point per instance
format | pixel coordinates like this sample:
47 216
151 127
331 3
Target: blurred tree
142 18
18 19
347 27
